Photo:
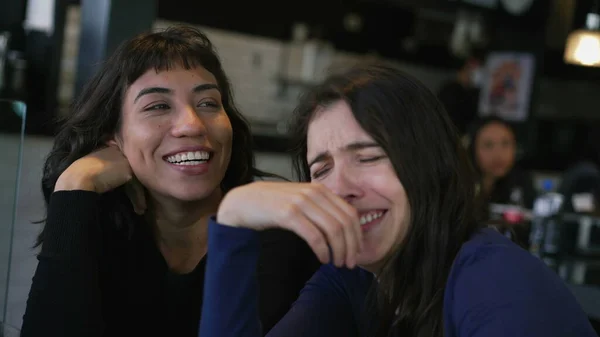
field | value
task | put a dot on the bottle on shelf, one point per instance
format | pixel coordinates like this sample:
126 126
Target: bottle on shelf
544 238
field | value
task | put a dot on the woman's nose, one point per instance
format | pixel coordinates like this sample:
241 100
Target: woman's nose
189 123
344 183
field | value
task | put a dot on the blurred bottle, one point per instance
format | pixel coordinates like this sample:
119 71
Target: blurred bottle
545 227
515 217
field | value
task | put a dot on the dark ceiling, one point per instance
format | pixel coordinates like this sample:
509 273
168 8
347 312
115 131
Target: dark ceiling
386 25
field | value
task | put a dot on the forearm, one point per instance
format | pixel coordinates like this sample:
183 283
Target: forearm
230 303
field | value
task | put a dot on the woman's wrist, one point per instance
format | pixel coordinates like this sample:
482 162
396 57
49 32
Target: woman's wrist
227 218
74 182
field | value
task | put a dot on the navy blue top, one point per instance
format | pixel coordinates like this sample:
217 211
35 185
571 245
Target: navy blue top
494 289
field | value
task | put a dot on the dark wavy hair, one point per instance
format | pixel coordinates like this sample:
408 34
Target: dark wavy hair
96 113
410 124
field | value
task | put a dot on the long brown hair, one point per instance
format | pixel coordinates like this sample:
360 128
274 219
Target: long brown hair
409 123
96 113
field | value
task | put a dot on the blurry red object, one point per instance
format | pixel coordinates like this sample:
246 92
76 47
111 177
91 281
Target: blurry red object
513 216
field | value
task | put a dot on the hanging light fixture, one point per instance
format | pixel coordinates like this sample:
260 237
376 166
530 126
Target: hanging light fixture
583 45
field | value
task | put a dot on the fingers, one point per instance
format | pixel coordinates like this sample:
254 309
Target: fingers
352 246
339 233
140 194
347 216
344 212
112 142
334 231
135 193
305 212
341 230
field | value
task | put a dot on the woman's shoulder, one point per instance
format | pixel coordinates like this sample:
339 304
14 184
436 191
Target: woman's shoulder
489 249
491 275
496 288
489 260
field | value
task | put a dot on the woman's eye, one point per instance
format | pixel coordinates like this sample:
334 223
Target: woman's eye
370 159
160 106
208 104
319 173
488 145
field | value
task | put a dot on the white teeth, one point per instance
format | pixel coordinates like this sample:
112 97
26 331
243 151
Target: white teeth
366 218
189 158
191 162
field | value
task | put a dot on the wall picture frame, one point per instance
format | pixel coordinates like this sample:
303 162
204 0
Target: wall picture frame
507 86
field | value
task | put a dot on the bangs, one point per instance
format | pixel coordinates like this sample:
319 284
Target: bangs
163 52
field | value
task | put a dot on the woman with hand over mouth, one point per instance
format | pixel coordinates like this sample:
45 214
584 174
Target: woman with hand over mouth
387 202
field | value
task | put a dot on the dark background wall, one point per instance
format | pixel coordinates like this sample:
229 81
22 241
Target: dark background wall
387 24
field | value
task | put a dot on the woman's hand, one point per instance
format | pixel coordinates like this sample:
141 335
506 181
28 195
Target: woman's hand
101 171
320 217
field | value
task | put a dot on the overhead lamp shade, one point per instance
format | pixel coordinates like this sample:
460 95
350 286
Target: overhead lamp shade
583 45
583 48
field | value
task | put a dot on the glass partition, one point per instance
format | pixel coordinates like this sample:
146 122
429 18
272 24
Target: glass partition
12 128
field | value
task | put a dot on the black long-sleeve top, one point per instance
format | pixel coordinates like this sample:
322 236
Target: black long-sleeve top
94 279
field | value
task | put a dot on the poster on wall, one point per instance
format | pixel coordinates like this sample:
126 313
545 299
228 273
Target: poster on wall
506 91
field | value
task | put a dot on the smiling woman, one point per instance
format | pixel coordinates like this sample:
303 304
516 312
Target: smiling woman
386 185
171 114
152 145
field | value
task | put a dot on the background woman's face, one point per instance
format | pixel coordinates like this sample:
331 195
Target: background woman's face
495 149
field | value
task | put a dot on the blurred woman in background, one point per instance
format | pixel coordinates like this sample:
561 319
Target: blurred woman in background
493 150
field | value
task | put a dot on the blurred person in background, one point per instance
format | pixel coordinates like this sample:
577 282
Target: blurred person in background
153 144
460 95
582 177
493 150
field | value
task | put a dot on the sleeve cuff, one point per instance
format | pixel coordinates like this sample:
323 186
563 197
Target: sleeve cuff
232 238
